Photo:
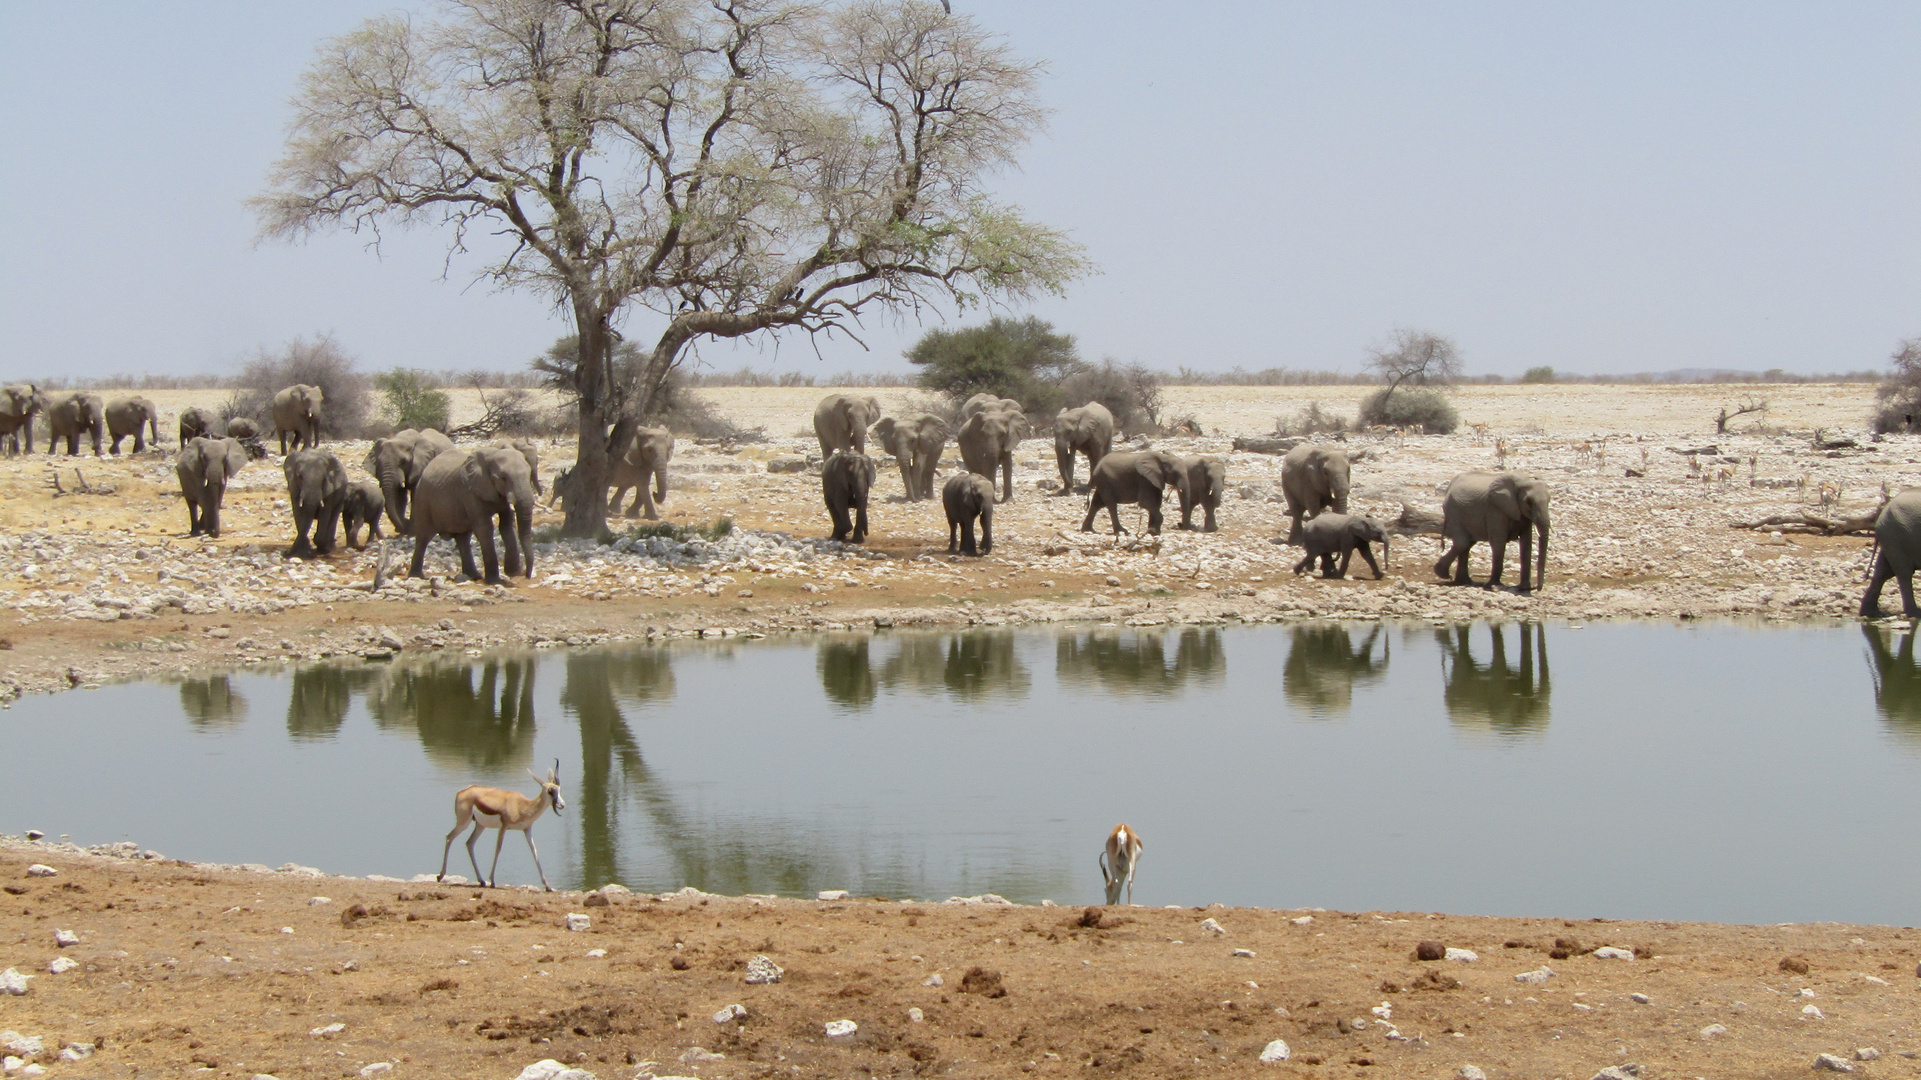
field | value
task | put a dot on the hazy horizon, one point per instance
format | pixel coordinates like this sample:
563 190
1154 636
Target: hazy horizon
1607 192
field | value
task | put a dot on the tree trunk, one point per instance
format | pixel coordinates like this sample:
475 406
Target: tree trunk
587 497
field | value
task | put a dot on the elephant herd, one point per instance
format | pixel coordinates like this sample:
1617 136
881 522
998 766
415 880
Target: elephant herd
81 414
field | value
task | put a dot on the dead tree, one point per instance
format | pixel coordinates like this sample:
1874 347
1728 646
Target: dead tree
1752 405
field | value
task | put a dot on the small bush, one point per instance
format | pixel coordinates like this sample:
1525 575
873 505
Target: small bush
1541 374
1898 398
1428 410
1021 359
1132 392
1312 420
413 400
321 362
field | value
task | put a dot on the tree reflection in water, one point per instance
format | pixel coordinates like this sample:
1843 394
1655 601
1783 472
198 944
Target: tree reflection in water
1507 701
976 664
1135 662
1897 681
462 725
212 702
321 696
1324 665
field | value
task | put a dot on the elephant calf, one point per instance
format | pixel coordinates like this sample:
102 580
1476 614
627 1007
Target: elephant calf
364 505
1333 534
317 487
845 482
966 497
1206 484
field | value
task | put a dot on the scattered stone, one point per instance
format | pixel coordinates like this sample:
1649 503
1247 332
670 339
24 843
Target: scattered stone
595 954
1430 950
837 1029
1470 1072
1302 920
549 1069
1867 1053
1618 1072
615 888
730 1013
329 1031
1212 926
1275 1052
915 1016
1465 956
1794 965
787 464
76 1052
1831 1063
64 938
41 870
1713 1030
934 980
12 982
25 1046
1812 1012
61 965
578 922
980 980
35 834
316 901
378 1068
1610 952
595 899
761 971
832 894
1538 975
697 1054
1247 954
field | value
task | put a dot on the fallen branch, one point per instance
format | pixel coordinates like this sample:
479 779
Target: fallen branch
1267 445
1414 521
1815 523
1685 451
1841 443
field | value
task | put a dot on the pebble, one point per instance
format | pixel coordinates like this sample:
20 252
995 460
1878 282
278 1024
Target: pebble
35 834
1465 956
25 1046
730 1013
61 965
1470 1072
578 923
762 971
378 1068
595 954
832 894
549 1069
1618 1072
12 982
933 980
1609 952
1812 1012
1639 999
1538 975
1712 1030
64 938
914 1015
1247 954
329 1031
1212 926
840 1028
76 1052
1831 1063
316 901
1302 920
1867 1053
697 1054
41 870
1275 1052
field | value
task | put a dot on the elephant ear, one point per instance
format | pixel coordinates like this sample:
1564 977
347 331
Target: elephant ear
236 455
1154 470
1501 497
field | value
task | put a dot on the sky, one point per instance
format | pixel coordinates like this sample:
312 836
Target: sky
1599 188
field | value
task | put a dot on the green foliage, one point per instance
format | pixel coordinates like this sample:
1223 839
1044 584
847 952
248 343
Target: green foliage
1425 409
1020 359
413 399
1542 374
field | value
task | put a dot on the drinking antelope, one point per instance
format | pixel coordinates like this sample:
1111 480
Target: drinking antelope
498 808
1117 863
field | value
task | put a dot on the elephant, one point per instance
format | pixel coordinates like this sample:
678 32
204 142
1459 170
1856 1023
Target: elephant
1134 479
196 422
1313 478
1332 534
296 413
364 504
459 495
987 439
317 487
1087 430
19 404
71 414
983 401
916 443
841 421
845 482
204 467
967 496
242 428
1495 507
1206 484
133 416
645 462
1897 536
397 462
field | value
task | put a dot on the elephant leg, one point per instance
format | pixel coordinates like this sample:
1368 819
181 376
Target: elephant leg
193 517
644 499
1007 476
1066 463
1307 560
301 548
1367 553
860 522
1294 524
967 537
509 544
1154 518
113 445
1347 557
465 543
1871 600
842 525
1908 608
1093 507
987 534
210 516
613 504
417 568
1207 518
1497 554
953 536
489 555
1527 557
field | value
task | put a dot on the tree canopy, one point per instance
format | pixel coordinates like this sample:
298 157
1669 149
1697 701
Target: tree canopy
1023 359
1415 358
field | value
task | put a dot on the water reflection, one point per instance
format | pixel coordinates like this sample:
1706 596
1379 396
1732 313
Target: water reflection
976 664
1507 700
212 702
462 724
1897 681
321 696
846 672
1324 665
1129 662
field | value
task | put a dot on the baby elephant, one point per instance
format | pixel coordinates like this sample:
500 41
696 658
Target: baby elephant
845 481
364 506
1333 534
968 496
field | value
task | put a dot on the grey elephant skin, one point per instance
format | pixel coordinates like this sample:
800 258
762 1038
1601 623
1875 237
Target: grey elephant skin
19 404
204 468
1496 508
1332 535
968 497
988 436
916 443
1134 479
243 428
846 480
317 487
71 415
1206 486
296 415
396 463
644 463
841 422
460 494
1897 537
364 505
1086 431
133 416
196 422
1313 478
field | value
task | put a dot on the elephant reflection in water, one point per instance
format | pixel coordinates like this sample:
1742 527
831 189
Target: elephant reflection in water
975 664
1496 697
846 672
461 724
1324 665
1138 660
1897 681
321 696
212 702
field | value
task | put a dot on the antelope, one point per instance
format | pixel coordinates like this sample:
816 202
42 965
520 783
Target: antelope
1480 430
1117 863
498 808
1500 453
1828 493
1584 452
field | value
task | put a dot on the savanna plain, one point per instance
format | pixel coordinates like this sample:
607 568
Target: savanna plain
192 969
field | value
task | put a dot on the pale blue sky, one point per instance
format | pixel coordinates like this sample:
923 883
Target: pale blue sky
1613 188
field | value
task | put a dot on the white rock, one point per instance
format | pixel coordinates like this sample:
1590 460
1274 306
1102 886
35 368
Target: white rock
1470 1072
1609 952
914 1015
1538 975
316 901
1867 1053
12 982
1302 920
578 922
1212 926
696 1054
378 1068
76 1052
1384 1010
1465 956
1247 954
330 1030
41 870
34 1070
1812 1012
933 980
1275 1052
840 1028
10 1064
761 971
546 1069
1615 1072
61 965
25 1046
1830 1063
730 1013
596 954
1639 999
615 888
64 938
832 894
1712 1030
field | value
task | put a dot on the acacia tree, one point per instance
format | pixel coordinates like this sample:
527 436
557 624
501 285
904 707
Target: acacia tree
736 166
1415 358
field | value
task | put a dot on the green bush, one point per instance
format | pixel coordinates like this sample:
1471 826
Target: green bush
1021 359
1428 410
413 399
1542 374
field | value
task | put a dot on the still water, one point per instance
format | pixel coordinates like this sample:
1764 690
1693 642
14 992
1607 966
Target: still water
1629 770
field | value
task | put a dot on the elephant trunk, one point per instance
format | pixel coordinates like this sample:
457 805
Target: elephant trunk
523 526
660 484
1540 557
394 493
1386 543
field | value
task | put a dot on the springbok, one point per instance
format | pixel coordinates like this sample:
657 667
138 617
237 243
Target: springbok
1117 863
498 808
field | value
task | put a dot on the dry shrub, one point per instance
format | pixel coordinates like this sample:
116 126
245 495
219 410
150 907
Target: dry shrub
345 392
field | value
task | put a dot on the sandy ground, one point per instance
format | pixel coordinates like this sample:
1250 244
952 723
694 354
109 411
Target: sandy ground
201 970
